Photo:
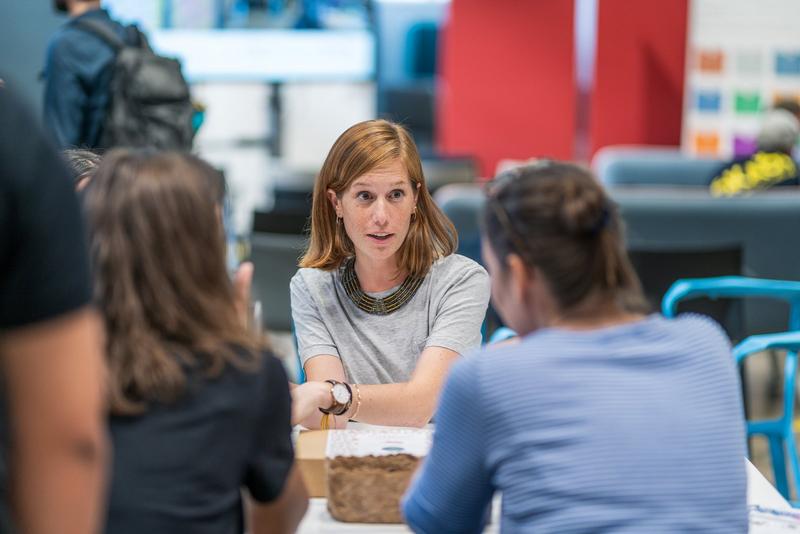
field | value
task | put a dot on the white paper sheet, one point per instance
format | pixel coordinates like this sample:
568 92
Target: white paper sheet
379 442
771 521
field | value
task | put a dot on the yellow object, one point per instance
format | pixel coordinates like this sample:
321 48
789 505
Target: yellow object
762 170
324 423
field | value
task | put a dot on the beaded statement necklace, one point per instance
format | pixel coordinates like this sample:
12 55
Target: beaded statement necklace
377 306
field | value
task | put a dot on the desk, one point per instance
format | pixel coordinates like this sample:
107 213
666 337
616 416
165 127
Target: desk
761 492
319 521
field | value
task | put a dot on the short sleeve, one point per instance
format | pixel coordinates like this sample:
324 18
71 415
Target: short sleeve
460 312
44 264
273 454
313 336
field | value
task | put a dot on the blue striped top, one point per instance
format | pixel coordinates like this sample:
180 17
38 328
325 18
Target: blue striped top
631 428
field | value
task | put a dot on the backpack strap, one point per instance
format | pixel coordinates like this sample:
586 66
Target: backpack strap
103 31
134 37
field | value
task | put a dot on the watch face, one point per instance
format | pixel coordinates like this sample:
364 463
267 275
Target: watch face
340 394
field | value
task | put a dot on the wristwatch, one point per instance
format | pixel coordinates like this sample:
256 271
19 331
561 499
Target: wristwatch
342 397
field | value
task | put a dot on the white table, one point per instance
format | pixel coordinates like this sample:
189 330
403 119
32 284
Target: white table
761 492
319 521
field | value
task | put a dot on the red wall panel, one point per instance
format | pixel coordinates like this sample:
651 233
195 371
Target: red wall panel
507 85
639 71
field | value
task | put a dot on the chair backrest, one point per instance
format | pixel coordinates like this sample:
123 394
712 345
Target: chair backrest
652 166
778 431
284 222
442 171
421 48
275 257
462 203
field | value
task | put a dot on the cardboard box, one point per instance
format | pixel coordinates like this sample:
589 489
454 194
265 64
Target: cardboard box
313 448
310 454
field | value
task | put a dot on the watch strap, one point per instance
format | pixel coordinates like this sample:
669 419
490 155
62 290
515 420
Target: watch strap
336 407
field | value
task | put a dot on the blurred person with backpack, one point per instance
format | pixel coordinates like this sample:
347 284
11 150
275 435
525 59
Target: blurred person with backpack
106 88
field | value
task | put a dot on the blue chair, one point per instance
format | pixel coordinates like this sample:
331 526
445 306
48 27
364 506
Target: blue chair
300 378
301 372
420 52
779 432
501 334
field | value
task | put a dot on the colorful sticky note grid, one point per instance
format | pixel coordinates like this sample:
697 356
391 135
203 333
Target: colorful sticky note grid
785 97
710 61
749 63
708 101
747 102
706 143
744 145
787 63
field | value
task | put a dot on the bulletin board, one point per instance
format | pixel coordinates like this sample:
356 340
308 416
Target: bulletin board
741 57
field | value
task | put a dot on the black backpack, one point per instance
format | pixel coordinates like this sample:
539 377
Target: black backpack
149 104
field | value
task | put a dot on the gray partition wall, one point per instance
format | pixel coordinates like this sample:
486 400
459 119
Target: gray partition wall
761 230
680 232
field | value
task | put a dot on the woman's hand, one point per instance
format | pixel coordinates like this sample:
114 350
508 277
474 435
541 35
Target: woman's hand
242 282
307 399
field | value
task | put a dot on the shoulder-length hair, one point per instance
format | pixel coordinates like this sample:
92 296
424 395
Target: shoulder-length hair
360 149
160 277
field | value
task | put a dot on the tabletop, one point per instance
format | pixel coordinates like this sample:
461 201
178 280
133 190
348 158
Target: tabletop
318 521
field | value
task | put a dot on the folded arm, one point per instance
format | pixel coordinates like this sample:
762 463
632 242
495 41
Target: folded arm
410 403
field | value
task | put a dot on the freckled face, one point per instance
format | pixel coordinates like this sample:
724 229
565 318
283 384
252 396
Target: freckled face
376 210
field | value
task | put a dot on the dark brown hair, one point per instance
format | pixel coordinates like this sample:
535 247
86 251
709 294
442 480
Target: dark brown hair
557 217
359 150
160 276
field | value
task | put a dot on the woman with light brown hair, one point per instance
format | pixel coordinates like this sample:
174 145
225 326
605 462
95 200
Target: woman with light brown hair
381 305
199 409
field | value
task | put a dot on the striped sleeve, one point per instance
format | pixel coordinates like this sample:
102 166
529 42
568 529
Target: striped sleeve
452 492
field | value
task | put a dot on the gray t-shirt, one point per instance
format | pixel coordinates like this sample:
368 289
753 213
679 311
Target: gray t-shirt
446 311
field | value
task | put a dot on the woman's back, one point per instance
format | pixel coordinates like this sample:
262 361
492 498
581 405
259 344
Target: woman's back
631 428
180 467
601 419
199 412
